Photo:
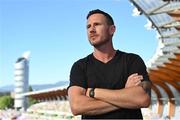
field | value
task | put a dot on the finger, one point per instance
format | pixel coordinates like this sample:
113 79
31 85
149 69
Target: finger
137 83
133 75
135 79
139 77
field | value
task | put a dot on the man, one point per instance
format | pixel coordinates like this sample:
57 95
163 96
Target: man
108 83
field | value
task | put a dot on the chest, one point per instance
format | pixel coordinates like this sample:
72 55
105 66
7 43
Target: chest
111 76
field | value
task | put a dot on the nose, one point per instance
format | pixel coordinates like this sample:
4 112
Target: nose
92 29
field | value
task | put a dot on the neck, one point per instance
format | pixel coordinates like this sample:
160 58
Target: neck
105 54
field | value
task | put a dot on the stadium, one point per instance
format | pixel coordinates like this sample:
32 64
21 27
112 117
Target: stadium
163 69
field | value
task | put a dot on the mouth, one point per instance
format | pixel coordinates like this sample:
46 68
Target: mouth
93 36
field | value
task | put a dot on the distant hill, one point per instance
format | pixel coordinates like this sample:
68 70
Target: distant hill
10 88
45 86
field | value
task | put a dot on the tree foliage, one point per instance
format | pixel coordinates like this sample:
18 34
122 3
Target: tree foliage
30 88
31 100
6 102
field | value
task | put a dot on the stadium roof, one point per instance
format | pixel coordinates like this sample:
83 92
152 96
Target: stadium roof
51 93
164 66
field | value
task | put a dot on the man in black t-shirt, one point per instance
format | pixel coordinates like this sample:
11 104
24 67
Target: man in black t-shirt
108 84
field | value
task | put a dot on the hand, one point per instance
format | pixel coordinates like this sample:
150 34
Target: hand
87 92
133 80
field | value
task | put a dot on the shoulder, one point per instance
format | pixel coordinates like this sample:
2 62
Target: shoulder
129 56
133 56
83 61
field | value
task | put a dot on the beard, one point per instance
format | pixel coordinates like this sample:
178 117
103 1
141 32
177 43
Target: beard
99 43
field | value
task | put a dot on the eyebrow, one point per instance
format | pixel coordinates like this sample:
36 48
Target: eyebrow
95 23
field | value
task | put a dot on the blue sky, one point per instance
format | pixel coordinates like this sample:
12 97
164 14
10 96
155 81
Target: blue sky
55 33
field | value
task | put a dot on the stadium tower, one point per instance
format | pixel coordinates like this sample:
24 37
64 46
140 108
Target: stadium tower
21 76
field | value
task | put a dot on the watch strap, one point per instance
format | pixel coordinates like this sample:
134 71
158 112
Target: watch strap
91 92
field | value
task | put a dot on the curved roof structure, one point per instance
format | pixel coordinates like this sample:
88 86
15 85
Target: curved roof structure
164 66
49 94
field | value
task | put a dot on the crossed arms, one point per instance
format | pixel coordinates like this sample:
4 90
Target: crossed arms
134 95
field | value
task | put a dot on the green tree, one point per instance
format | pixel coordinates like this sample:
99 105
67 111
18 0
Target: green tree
6 102
31 100
30 88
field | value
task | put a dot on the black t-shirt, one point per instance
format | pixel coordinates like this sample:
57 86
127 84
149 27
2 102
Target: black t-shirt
92 73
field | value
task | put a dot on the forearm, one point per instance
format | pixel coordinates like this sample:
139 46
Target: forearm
98 107
89 106
82 104
134 97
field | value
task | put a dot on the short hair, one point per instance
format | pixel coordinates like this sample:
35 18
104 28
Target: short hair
108 17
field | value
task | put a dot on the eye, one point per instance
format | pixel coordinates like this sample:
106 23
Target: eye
88 26
95 24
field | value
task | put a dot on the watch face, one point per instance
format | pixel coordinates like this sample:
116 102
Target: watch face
91 93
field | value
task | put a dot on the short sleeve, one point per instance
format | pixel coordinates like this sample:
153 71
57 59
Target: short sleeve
77 75
136 65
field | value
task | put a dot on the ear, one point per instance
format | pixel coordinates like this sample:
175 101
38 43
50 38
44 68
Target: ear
112 29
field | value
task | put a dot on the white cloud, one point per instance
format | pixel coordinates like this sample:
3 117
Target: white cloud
135 12
148 26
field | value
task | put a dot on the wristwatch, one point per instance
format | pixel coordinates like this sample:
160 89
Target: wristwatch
91 92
